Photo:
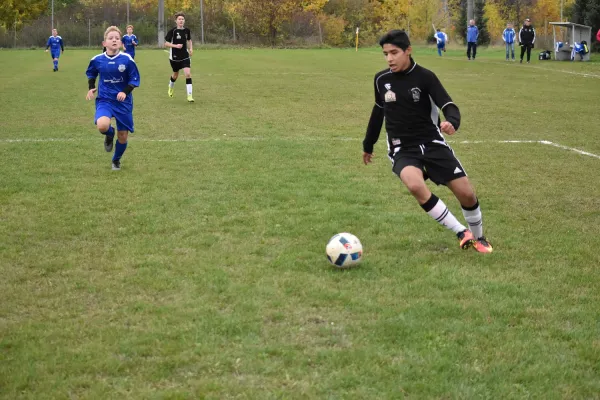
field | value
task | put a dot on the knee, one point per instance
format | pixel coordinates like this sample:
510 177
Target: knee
103 125
188 75
122 136
467 199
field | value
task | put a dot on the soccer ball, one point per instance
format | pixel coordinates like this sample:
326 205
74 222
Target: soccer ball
344 250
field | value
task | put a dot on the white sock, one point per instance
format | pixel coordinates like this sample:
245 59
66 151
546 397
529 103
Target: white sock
474 219
171 84
189 88
438 211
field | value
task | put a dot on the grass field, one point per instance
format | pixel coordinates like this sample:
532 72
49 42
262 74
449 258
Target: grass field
198 270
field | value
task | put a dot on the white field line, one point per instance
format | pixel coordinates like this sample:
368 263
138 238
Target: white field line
560 71
308 139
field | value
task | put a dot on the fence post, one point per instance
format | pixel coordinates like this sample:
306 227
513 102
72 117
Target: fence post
89 32
15 44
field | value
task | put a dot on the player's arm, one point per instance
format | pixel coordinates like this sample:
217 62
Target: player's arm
48 44
444 102
62 47
135 41
169 41
92 74
189 42
374 127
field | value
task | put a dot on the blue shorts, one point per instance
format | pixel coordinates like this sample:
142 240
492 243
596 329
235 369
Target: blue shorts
441 45
54 54
121 112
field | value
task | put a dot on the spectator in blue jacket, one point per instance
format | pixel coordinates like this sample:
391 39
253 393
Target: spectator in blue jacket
472 35
508 36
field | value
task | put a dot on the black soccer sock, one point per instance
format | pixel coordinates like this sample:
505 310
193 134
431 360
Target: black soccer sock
473 216
172 82
188 85
438 211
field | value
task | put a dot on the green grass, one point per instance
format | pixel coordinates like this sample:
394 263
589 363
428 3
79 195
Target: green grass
198 271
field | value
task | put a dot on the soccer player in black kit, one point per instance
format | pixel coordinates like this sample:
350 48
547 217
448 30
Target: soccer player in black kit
179 40
409 98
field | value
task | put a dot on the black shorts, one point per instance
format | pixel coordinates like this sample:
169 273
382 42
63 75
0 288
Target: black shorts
437 161
177 65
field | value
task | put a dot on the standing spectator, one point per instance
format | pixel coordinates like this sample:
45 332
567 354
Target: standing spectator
472 35
598 35
508 36
526 39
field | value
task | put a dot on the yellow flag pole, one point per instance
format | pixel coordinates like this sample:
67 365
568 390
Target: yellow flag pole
357 39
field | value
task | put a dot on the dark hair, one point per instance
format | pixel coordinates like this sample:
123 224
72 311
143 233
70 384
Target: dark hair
179 14
397 37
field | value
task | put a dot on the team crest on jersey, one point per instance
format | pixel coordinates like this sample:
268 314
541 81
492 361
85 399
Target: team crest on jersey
122 67
388 86
178 35
416 94
390 96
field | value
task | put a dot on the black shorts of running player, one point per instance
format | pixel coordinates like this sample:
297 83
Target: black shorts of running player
177 65
437 161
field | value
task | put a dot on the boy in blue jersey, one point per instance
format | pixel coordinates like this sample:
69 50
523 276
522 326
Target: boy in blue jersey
508 36
130 41
55 43
440 37
118 77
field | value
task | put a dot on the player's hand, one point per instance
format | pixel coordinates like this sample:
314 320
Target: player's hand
178 46
367 158
121 96
447 128
190 51
90 94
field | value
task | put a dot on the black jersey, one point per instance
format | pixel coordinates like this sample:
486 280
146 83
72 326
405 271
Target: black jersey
410 102
179 36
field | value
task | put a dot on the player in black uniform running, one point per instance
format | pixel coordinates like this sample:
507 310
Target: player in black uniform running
179 40
409 98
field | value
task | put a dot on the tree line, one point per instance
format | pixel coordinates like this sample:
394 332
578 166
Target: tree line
283 22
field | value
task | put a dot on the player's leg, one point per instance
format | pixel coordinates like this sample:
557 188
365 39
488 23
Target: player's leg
469 50
507 45
465 194
174 76
102 121
528 53
474 50
55 60
410 172
444 168
124 119
439 49
188 80
512 51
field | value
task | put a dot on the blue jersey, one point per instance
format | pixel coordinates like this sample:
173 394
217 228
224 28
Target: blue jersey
128 42
440 37
509 35
472 34
55 43
116 73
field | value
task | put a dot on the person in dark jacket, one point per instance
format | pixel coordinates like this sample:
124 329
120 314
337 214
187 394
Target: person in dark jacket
526 39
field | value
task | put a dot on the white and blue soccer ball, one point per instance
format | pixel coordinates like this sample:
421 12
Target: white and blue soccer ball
344 250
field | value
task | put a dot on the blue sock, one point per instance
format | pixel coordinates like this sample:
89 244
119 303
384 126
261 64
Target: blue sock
439 52
119 150
110 132
55 64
